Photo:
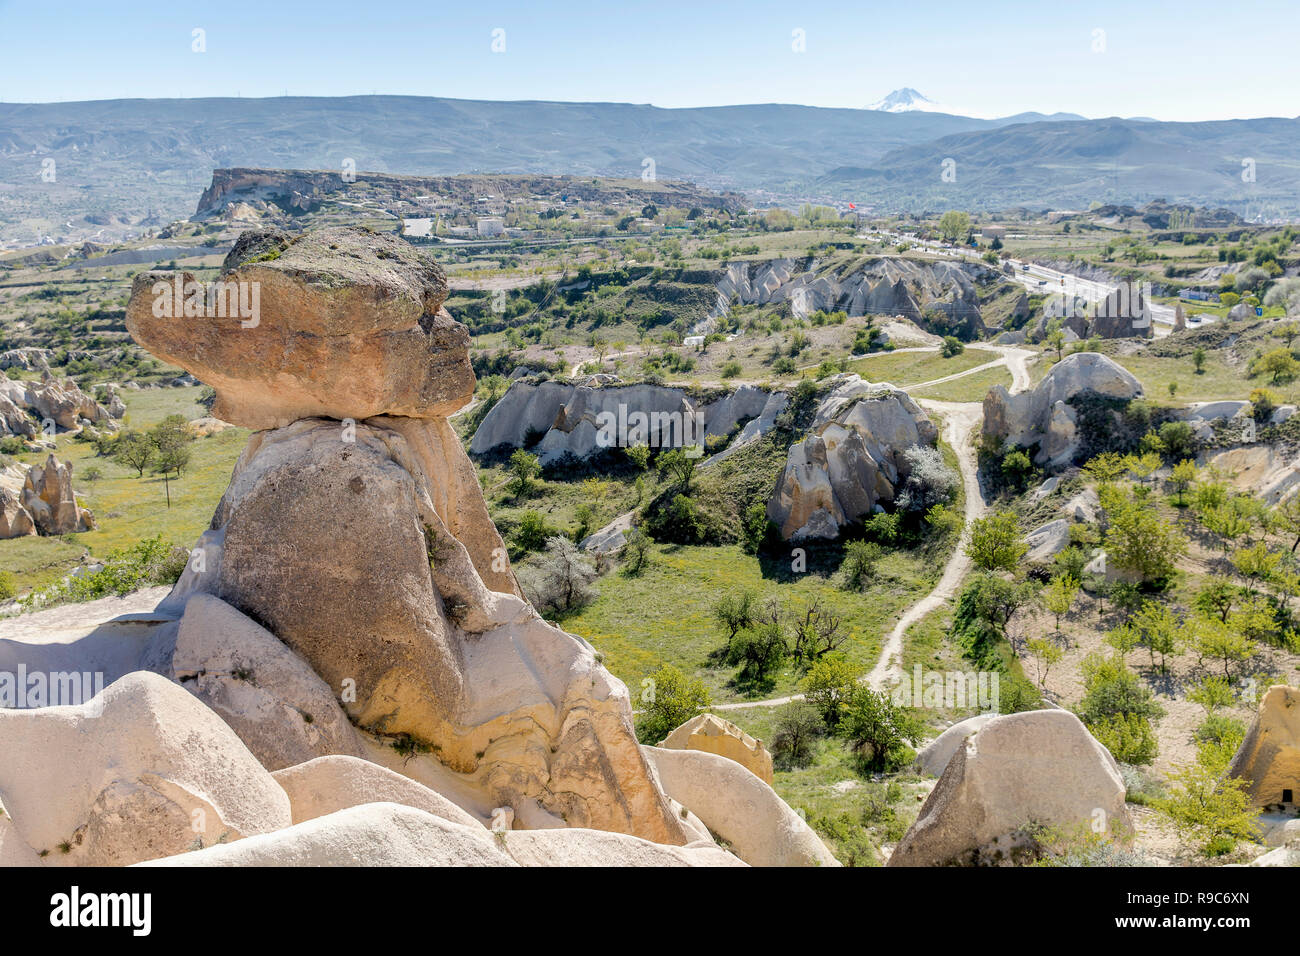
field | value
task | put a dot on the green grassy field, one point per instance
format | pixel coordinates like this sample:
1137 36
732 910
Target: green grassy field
968 388
128 508
663 616
909 368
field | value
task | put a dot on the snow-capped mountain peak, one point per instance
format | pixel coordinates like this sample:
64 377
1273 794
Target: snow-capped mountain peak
906 100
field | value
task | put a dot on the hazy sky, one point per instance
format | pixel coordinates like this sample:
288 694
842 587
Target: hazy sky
1185 60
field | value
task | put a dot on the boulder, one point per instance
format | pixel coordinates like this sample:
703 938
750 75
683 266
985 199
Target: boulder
144 770
15 520
1044 416
575 847
1037 767
282 711
48 497
1282 856
1269 756
328 784
933 757
852 460
1047 541
1282 832
341 323
59 403
610 538
1046 489
712 734
373 834
740 808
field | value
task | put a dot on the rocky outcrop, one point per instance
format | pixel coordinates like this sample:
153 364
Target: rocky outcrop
27 407
851 461
319 330
712 734
1047 541
1269 757
739 807
363 543
933 757
561 419
282 711
1039 767
1044 416
891 285
328 784
143 770
46 504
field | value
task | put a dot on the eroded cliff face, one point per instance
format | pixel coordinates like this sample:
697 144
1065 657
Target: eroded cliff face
354 530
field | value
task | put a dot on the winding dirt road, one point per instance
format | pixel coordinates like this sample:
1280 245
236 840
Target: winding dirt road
961 421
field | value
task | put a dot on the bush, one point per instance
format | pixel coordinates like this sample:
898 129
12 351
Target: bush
731 370
8 585
860 558
879 730
668 699
533 531
560 579
952 346
798 727
929 481
145 563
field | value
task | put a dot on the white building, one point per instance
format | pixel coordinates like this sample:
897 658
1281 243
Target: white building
491 227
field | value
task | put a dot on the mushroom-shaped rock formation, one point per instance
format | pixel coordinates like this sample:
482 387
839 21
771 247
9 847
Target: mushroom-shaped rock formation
354 530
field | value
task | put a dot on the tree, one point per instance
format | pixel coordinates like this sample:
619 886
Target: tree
523 468
1182 477
560 579
636 551
798 726
952 346
1118 708
669 698
680 468
1138 539
134 450
533 531
1219 641
1016 468
1159 628
860 559
930 481
1256 563
1045 654
1059 595
1209 809
1212 693
1279 364
995 542
734 612
1286 519
1055 337
1198 360
878 730
829 684
954 225
819 633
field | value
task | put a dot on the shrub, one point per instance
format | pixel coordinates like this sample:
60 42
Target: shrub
8 585
668 699
860 558
147 562
929 482
533 531
879 730
798 728
951 346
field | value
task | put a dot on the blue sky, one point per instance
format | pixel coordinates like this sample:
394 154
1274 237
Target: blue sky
1177 61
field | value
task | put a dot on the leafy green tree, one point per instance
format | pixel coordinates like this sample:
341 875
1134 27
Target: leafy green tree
1045 654
136 450
1279 364
860 560
1159 629
1209 809
1181 478
533 531
878 730
733 612
668 699
524 468
1219 641
1059 595
1138 539
954 224
829 684
952 346
678 467
995 542
798 727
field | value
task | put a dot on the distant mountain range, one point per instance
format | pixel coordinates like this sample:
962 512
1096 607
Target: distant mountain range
122 161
